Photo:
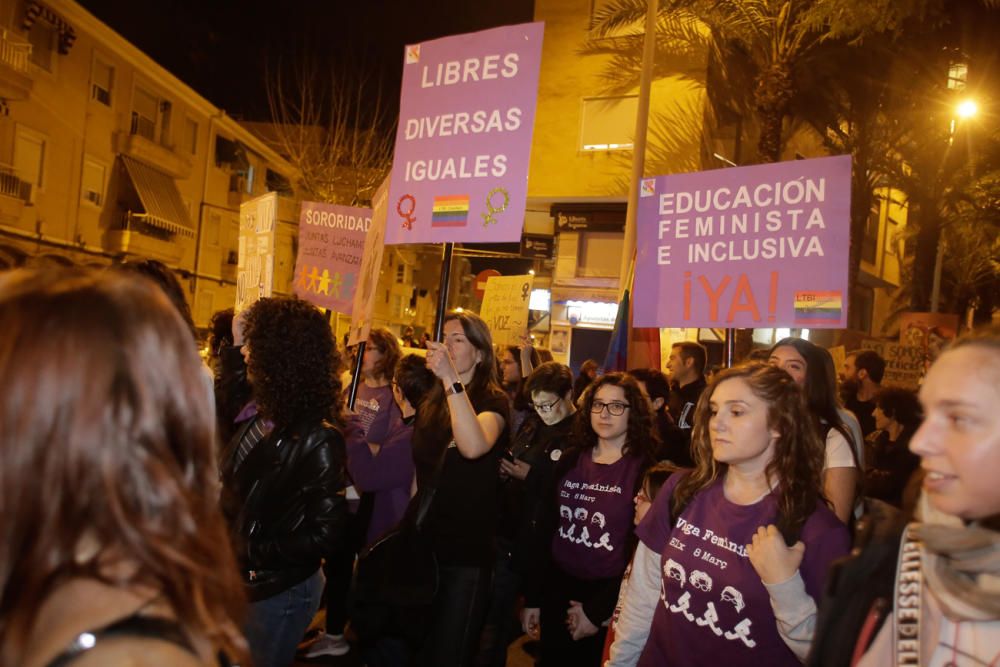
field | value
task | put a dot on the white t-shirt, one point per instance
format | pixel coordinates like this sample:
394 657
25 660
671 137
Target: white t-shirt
838 451
852 424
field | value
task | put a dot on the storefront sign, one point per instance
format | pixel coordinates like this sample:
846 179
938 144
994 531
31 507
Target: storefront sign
537 246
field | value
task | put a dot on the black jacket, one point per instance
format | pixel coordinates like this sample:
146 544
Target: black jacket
286 506
859 589
522 502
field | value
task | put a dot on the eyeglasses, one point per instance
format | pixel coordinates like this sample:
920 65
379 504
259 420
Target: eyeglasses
546 407
615 408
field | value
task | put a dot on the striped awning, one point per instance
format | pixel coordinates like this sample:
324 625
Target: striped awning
160 197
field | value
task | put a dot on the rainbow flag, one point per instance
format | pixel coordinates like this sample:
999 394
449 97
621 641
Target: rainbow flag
818 307
450 211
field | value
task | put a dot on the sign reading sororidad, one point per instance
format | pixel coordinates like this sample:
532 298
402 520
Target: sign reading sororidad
255 261
371 266
466 116
331 242
760 246
505 307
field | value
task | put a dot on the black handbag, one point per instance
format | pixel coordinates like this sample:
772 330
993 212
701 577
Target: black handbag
397 578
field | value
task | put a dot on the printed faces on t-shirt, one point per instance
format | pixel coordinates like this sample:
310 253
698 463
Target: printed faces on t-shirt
595 517
697 576
709 591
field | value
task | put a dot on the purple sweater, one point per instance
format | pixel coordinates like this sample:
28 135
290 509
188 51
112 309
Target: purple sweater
388 476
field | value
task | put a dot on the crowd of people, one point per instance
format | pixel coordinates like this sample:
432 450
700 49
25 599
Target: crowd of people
159 509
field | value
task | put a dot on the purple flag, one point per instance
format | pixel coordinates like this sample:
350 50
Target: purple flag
760 246
331 242
466 116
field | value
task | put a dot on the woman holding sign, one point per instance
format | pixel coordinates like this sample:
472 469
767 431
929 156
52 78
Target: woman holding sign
713 580
589 530
927 593
456 451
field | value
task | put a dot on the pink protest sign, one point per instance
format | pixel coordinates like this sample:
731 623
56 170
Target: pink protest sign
466 116
331 242
760 246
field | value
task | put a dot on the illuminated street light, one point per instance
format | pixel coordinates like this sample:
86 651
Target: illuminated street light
967 109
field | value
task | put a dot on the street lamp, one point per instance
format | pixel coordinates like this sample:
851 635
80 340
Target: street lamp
965 110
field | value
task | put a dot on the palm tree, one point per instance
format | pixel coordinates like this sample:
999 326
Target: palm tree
763 43
779 64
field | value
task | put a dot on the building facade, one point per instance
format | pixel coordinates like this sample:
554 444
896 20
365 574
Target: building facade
105 156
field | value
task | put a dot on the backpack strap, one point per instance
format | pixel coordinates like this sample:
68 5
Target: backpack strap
140 627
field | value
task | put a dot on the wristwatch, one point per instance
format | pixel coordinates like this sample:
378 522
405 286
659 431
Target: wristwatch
456 388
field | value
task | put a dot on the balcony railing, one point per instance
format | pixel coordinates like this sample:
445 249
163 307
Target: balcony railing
14 53
143 126
140 223
12 186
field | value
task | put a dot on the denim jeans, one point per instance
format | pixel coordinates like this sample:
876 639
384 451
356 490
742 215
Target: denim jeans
275 626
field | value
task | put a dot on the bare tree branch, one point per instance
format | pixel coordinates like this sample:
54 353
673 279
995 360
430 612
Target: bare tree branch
333 126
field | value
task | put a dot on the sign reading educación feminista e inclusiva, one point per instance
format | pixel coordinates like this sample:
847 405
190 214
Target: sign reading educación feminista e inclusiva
759 246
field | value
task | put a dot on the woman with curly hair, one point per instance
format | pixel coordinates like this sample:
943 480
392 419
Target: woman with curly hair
460 430
889 463
733 555
112 546
572 589
283 475
813 370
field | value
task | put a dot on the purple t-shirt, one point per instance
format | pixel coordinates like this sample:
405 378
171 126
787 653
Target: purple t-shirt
374 407
713 607
595 517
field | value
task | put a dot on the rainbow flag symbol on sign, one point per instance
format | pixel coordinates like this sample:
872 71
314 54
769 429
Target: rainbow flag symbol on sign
450 211
818 307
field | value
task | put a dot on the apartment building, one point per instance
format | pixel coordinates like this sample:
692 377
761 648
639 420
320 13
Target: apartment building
106 156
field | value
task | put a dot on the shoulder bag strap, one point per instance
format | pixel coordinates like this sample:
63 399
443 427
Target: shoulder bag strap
427 494
909 599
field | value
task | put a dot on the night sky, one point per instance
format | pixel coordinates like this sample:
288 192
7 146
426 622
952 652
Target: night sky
221 48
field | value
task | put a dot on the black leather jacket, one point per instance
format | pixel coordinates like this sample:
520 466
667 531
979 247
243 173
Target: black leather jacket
286 506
